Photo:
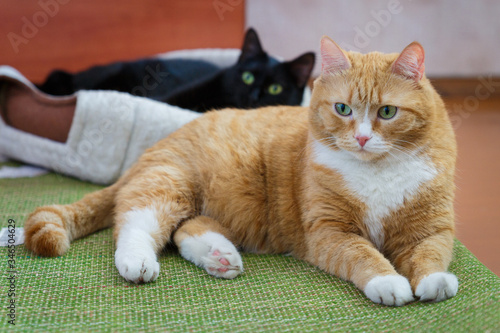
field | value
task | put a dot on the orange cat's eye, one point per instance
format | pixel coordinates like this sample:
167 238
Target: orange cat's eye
343 109
387 112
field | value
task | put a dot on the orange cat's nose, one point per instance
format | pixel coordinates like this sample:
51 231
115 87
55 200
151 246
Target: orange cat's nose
362 139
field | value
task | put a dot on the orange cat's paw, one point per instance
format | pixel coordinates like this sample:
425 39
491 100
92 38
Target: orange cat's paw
135 255
137 267
213 252
45 233
224 263
393 290
437 287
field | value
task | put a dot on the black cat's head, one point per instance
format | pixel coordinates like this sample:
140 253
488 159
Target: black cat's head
259 80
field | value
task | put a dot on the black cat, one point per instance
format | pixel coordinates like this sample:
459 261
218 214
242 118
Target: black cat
255 80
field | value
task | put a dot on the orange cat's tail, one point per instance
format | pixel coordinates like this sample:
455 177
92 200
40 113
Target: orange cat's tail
50 229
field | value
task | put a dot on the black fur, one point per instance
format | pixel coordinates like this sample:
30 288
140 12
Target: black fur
197 85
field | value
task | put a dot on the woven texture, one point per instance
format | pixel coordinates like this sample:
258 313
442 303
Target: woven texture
82 290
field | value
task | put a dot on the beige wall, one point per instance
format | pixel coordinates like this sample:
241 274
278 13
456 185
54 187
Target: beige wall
461 37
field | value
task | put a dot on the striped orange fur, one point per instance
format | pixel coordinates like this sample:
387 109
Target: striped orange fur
365 198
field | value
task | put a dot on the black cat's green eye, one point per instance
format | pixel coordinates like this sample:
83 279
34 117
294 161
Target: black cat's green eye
247 77
343 109
275 89
387 112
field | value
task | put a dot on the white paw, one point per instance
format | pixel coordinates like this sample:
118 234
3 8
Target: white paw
394 290
137 267
223 263
135 257
437 287
214 253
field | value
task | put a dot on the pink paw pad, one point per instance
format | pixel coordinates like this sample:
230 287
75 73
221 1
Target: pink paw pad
224 261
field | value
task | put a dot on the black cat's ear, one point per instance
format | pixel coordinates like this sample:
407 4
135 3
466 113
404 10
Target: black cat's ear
251 46
301 68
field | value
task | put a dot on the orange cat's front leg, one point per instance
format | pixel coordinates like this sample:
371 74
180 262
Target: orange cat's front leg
425 266
354 258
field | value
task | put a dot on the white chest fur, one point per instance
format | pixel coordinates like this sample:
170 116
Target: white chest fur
382 186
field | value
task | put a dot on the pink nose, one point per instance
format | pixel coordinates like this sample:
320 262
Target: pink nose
362 139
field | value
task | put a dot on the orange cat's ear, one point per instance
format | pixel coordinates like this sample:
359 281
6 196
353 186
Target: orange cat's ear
410 62
333 59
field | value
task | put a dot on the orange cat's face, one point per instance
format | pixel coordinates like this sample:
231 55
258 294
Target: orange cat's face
370 105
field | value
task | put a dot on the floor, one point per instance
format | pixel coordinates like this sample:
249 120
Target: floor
478 178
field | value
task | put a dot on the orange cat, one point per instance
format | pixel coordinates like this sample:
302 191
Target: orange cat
360 184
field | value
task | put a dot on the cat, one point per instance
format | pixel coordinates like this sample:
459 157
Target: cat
360 184
255 80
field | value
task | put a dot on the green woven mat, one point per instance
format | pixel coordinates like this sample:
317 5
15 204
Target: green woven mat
82 291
